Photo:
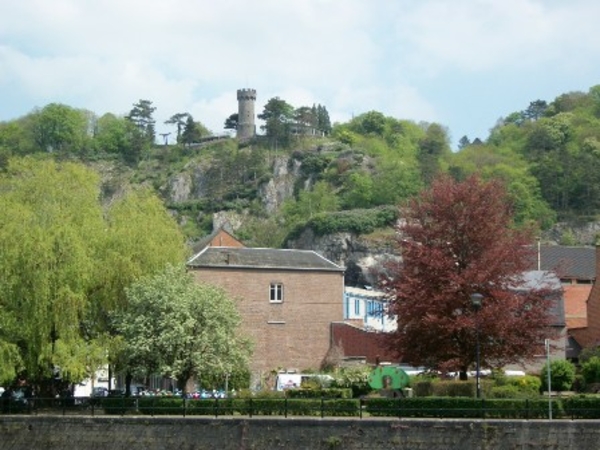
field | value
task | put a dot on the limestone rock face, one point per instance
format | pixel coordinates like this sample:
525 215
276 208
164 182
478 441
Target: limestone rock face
230 221
363 258
180 187
281 186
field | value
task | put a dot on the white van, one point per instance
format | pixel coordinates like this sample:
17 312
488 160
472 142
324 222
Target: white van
295 380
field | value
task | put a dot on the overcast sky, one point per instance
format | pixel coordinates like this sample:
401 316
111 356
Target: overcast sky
461 63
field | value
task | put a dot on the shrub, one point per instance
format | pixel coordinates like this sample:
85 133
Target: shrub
588 353
422 388
506 391
450 388
359 221
356 379
527 386
454 388
562 375
528 383
591 370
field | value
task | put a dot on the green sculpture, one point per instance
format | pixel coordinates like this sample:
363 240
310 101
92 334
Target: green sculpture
388 377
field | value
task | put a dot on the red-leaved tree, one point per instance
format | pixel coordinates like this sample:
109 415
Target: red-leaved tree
457 239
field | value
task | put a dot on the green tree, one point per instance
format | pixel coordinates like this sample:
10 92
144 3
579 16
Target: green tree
180 121
590 370
396 181
59 128
141 115
193 131
306 116
66 261
358 191
140 238
49 234
464 142
320 199
231 123
181 329
432 148
278 116
113 135
373 122
323 120
14 139
535 110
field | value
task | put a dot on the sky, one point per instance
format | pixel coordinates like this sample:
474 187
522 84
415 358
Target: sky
462 63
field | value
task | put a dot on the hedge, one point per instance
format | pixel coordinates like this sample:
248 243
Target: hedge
462 407
241 406
579 407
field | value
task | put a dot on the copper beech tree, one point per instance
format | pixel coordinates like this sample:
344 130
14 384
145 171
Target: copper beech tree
457 239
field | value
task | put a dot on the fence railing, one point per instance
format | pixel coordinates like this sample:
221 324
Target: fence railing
315 407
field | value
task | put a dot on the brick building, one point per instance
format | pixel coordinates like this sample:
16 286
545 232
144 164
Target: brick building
577 269
287 300
589 334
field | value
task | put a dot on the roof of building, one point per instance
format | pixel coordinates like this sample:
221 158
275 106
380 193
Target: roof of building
576 297
262 258
568 262
198 246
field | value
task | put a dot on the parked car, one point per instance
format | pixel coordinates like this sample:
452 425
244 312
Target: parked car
116 393
99 392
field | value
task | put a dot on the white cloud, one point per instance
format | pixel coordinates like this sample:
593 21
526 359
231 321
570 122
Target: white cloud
480 35
349 55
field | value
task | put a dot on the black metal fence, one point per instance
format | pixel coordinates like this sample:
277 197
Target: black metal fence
579 408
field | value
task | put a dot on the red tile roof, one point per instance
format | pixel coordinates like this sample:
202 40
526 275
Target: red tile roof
576 297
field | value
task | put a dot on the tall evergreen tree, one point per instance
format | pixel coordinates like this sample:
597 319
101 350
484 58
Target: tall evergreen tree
141 116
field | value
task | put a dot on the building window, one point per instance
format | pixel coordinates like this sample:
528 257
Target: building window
276 293
357 307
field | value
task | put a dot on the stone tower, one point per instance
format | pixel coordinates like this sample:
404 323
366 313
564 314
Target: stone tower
246 127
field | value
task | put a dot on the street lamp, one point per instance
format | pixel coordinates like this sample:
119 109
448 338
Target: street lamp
476 301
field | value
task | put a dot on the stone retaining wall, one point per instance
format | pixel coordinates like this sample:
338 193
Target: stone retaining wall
158 433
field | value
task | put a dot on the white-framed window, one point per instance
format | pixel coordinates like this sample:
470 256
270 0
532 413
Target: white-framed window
357 307
276 293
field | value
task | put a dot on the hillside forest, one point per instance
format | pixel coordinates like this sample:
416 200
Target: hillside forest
351 178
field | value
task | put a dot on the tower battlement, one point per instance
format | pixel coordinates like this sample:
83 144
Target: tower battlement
246 94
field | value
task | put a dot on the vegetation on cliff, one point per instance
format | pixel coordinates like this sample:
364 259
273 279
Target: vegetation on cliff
547 154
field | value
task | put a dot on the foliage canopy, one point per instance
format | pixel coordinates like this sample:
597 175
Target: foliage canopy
178 328
457 239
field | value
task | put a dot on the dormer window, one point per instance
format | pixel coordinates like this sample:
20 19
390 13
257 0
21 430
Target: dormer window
276 293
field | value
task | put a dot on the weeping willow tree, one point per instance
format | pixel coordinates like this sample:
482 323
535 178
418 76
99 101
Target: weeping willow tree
141 239
50 228
65 262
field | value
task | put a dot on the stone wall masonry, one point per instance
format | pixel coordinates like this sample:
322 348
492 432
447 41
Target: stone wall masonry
194 433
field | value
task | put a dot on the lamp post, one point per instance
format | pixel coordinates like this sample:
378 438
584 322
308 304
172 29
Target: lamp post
476 301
